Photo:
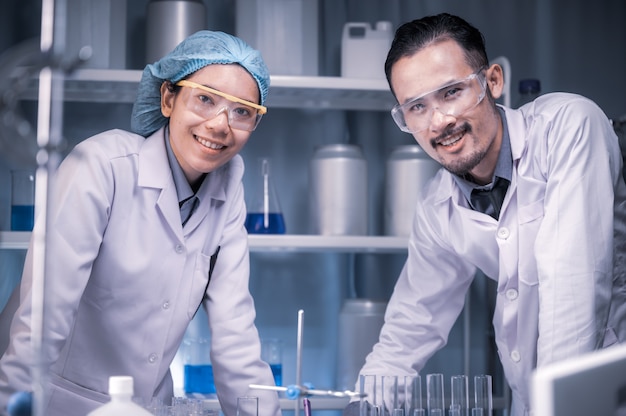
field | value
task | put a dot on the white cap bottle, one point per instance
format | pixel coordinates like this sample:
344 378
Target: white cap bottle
121 390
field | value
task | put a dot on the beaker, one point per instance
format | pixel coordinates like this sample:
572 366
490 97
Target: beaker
22 200
271 353
247 406
264 213
198 371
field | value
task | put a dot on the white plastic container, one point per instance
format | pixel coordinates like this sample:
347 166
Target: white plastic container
364 50
121 391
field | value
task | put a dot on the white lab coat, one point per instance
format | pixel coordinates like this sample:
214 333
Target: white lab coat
125 278
551 252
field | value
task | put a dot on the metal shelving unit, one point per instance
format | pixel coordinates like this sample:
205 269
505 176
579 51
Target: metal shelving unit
337 93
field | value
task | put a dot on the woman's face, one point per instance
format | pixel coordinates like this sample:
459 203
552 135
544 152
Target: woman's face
202 145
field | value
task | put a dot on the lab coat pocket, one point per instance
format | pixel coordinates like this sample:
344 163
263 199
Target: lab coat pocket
68 398
531 212
201 279
529 217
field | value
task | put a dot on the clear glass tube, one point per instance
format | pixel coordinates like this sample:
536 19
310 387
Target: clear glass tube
247 406
435 394
367 386
398 412
459 396
413 395
389 388
483 399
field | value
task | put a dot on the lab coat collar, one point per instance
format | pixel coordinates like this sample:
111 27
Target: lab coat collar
154 174
516 125
153 169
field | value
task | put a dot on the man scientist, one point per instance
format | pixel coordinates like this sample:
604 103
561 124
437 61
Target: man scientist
534 198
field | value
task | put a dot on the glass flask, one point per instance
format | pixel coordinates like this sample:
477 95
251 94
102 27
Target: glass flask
22 200
264 213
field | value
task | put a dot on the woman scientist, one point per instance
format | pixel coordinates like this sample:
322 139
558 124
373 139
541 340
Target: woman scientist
146 227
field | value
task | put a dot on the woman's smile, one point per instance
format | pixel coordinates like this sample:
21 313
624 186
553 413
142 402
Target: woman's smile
209 144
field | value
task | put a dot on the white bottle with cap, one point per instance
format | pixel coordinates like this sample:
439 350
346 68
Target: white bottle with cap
364 49
121 392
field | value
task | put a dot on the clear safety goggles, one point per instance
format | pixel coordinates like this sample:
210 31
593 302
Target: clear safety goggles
208 103
452 99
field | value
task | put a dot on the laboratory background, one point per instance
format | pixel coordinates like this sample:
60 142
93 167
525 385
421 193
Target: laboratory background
328 99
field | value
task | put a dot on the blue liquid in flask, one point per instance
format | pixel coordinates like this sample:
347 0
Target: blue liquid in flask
277 372
22 217
255 223
199 379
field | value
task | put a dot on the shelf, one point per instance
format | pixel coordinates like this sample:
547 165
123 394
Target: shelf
18 240
14 240
306 92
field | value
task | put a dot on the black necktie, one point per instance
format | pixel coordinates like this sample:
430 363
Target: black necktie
187 207
490 201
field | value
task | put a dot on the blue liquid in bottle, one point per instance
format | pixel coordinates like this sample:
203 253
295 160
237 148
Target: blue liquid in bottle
277 372
255 223
199 379
22 217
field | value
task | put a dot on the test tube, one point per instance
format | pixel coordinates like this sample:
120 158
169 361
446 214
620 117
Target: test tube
413 398
398 412
483 400
367 385
459 396
434 394
389 389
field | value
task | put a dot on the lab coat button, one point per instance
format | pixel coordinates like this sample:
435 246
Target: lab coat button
503 233
511 294
179 248
515 356
166 305
152 358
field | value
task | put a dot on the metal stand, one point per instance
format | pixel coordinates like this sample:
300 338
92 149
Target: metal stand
298 390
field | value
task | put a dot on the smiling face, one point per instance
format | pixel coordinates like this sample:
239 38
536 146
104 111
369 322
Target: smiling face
467 143
203 145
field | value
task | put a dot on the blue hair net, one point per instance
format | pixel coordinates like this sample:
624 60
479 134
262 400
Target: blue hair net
197 51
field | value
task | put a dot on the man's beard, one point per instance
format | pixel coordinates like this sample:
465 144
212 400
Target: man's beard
462 166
